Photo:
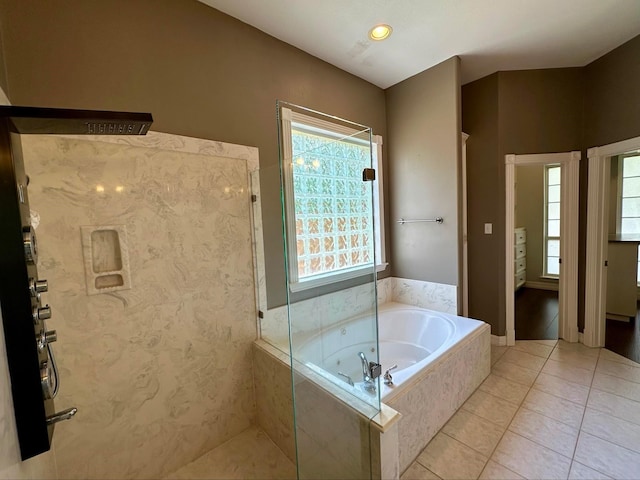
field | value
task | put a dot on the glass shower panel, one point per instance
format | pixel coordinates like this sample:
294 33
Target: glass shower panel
328 211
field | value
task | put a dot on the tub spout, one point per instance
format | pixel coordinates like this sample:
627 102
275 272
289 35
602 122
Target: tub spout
365 368
370 371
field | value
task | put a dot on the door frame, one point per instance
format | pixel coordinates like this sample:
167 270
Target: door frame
569 197
465 248
595 304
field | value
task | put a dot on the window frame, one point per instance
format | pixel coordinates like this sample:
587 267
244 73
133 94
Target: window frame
620 199
547 237
296 284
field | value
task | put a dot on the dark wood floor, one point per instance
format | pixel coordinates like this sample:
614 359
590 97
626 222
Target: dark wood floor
536 314
624 338
537 319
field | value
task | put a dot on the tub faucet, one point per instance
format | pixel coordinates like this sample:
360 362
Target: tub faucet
370 371
388 379
366 378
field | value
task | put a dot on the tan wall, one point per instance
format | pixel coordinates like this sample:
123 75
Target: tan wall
423 118
538 111
534 111
485 200
529 214
612 96
199 72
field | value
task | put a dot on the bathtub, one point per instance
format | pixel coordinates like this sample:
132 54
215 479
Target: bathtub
410 338
441 360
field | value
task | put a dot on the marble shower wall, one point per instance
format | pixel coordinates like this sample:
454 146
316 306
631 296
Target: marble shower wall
160 373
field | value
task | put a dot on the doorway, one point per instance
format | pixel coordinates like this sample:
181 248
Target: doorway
537 250
567 258
599 254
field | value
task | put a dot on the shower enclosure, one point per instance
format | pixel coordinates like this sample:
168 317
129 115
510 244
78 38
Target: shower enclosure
329 200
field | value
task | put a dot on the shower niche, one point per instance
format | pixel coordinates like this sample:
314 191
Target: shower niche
106 258
32 370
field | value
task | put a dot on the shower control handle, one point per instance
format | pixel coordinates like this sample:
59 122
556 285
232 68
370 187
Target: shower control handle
42 313
50 336
45 338
30 245
37 286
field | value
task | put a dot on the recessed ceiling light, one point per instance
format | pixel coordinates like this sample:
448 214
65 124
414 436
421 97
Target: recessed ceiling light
380 32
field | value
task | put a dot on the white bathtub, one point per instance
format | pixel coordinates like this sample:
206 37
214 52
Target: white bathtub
410 337
441 359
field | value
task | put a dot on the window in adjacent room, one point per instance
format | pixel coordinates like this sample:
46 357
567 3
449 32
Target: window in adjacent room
630 198
552 221
334 222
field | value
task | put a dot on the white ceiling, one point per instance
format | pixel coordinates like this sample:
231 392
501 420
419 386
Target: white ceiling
488 35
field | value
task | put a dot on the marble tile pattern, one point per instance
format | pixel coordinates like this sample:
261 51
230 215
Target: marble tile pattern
251 455
335 440
316 315
385 290
160 373
272 384
428 404
565 424
323 312
433 296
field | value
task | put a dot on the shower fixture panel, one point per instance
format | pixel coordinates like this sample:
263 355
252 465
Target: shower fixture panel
34 378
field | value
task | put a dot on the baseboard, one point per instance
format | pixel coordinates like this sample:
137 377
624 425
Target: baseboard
542 286
500 341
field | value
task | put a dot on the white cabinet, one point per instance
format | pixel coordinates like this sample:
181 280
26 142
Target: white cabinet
520 256
622 274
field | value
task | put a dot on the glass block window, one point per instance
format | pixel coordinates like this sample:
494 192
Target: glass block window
330 210
630 204
552 221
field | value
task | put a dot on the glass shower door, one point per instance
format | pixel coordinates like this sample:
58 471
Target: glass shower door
330 252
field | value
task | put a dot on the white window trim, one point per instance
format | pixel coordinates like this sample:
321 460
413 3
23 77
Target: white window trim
547 237
619 199
295 283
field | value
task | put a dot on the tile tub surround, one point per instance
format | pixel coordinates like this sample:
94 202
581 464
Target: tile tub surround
313 314
316 314
576 416
432 296
335 452
160 373
439 391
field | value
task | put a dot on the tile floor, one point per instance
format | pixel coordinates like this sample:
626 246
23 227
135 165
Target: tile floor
248 455
548 410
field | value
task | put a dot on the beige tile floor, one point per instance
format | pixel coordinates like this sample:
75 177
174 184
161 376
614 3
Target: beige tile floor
249 455
548 410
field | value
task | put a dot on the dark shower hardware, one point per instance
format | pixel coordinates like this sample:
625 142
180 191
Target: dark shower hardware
34 380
